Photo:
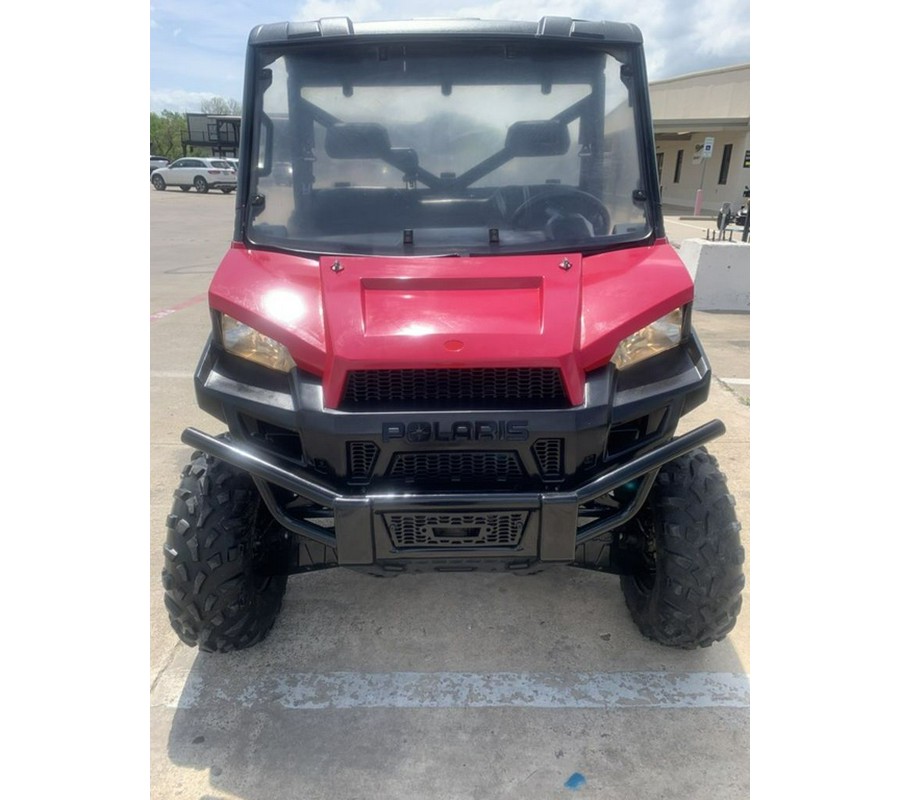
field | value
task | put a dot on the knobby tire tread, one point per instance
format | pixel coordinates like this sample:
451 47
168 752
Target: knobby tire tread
695 598
214 600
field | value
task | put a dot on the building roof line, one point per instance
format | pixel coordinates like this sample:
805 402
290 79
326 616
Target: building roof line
687 123
733 68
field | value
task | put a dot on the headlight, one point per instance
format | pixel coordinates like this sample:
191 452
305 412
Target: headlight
657 337
249 343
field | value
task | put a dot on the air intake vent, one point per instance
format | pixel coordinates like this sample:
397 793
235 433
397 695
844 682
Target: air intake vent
549 456
500 529
360 460
448 467
519 387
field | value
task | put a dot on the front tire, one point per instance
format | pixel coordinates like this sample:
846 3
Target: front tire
215 597
685 552
158 183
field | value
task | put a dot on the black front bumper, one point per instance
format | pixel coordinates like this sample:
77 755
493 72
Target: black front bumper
551 532
303 459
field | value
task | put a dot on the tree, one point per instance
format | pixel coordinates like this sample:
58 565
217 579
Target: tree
219 105
166 130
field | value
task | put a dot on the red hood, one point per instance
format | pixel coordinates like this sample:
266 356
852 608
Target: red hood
352 312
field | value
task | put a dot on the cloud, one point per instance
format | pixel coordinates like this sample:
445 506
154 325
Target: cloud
529 9
355 9
177 100
207 58
679 37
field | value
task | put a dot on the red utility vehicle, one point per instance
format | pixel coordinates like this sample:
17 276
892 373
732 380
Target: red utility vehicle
450 334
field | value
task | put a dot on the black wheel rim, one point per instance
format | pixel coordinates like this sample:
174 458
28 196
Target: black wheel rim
644 561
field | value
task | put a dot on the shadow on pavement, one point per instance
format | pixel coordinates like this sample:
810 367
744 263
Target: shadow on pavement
238 729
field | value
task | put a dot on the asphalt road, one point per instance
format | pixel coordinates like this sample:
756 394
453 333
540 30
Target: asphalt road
433 686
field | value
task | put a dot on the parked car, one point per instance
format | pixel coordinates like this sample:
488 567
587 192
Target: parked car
202 174
158 161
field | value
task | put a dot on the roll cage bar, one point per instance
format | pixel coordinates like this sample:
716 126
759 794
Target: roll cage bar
405 159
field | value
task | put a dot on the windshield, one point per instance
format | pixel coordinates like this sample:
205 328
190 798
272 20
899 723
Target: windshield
429 149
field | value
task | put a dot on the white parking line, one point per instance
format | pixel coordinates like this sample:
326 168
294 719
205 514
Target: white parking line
307 691
736 381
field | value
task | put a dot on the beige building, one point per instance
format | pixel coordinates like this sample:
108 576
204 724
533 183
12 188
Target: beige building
690 110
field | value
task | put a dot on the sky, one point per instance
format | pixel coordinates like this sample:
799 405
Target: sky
197 46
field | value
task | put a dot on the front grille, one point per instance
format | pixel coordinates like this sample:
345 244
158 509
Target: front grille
361 458
499 529
549 456
519 387
456 467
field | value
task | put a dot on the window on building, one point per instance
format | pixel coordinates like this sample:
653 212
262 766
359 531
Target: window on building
659 165
678 159
726 162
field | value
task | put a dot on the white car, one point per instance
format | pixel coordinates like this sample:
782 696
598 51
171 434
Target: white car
158 161
202 174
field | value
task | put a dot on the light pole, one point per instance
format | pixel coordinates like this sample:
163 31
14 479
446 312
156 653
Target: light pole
705 155
698 199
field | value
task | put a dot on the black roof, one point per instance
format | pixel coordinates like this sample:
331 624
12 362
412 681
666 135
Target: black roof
550 27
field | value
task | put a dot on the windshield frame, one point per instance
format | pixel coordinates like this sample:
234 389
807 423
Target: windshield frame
631 71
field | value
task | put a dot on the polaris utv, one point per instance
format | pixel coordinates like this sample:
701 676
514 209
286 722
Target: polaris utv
450 334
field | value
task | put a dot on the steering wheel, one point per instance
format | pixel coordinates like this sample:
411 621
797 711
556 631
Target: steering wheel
539 209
